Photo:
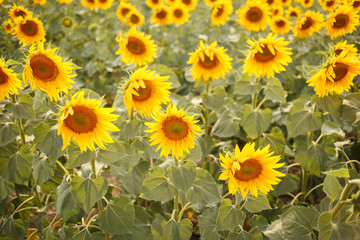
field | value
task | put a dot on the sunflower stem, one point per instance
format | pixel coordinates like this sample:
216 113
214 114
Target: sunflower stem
19 122
176 205
344 195
304 181
206 111
64 169
254 97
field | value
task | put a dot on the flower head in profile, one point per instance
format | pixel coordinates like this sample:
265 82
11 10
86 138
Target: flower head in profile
9 26
209 62
309 23
221 12
342 21
250 170
87 122
40 2
267 56
18 12
254 15
174 131
29 30
47 71
343 46
64 1
146 91
336 76
9 83
136 47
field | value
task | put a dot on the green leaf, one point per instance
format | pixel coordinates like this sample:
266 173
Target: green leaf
229 216
275 91
86 235
351 108
143 144
256 204
43 169
255 122
204 191
207 222
331 128
76 158
276 140
157 187
259 221
195 154
5 188
21 110
246 86
298 222
215 100
341 173
287 185
243 235
65 201
157 226
118 217
51 144
275 231
315 156
119 151
185 228
87 191
19 166
132 181
301 120
332 187
183 177
15 229
225 126
130 129
163 70
334 231
331 104
8 132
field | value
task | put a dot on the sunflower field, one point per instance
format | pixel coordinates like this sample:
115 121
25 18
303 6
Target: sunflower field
180 119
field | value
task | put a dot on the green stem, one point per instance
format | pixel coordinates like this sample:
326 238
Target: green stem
182 212
131 115
311 190
64 169
254 97
19 122
261 103
344 195
206 123
176 205
304 181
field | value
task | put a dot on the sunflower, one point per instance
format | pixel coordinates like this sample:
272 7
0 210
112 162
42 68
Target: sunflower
179 13
284 3
211 2
29 30
267 56
67 22
221 12
356 5
277 10
309 23
90 4
18 11
47 71
146 92
104 4
171 2
161 15
350 49
209 63
40 2
271 3
307 3
250 170
293 12
189 4
136 48
9 83
174 131
342 21
85 121
280 25
9 26
254 15
328 5
64 1
135 18
336 76
123 10
154 3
